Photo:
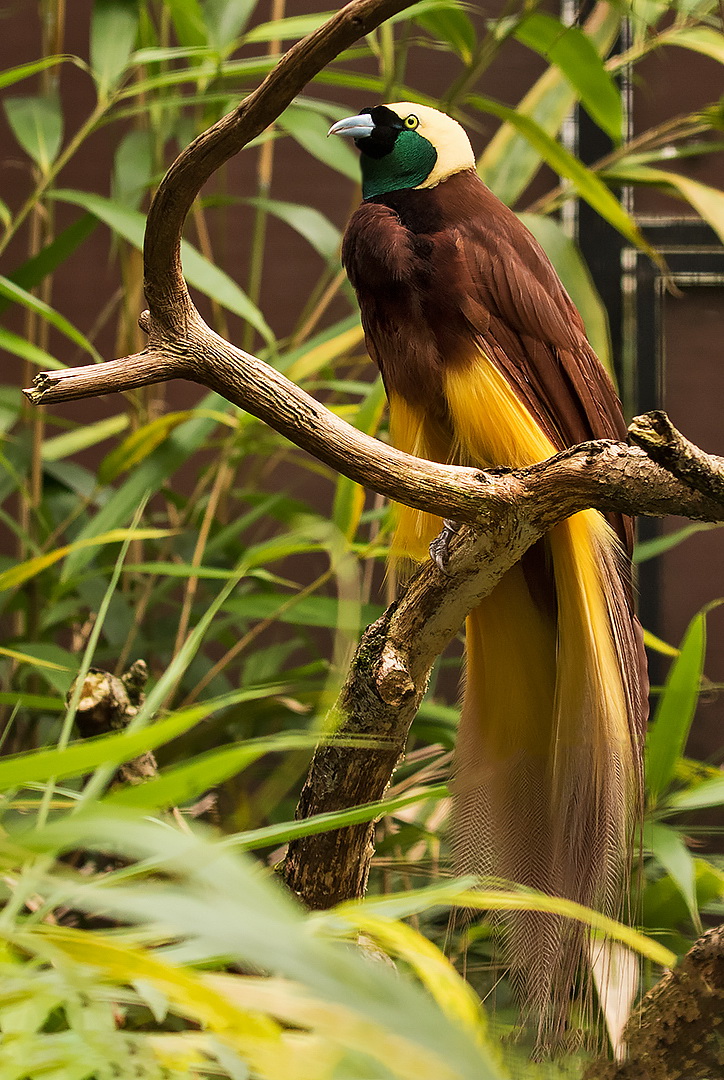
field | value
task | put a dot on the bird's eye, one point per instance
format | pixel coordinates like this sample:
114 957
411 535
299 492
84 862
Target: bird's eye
411 122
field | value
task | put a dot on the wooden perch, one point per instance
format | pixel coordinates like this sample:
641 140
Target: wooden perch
506 511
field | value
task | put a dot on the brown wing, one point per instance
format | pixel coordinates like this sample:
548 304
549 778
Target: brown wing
435 268
534 333
383 263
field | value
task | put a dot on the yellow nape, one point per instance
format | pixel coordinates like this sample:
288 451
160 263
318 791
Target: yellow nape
454 152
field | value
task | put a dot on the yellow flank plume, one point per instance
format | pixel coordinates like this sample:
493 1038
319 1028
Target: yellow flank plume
551 749
493 427
491 424
413 432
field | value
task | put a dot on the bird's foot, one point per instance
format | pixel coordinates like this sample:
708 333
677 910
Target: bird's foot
440 546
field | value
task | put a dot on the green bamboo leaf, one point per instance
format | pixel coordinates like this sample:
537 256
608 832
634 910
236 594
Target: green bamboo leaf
20 346
702 39
169 679
19 295
448 23
164 53
37 268
669 849
234 911
182 783
199 272
352 80
34 661
699 797
225 20
256 1036
663 907
310 223
82 757
509 162
26 71
309 129
57 666
454 995
24 571
114 26
707 201
37 124
586 182
247 70
37 702
149 476
289 29
133 168
576 277
675 711
137 446
349 497
188 21
320 611
321 350
649 549
651 641
180 570
286 831
85 435
577 57
470 892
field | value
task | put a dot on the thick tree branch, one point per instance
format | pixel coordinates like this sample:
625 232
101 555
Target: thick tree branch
608 476
391 669
667 447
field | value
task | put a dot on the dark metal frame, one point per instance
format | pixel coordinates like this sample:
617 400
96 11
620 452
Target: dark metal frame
695 257
633 291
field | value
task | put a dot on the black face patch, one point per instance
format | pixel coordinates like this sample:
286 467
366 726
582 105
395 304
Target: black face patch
388 126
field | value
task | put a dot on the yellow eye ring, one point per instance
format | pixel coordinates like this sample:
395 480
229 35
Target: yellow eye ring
411 122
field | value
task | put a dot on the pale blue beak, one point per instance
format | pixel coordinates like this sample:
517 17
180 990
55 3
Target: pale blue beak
353 127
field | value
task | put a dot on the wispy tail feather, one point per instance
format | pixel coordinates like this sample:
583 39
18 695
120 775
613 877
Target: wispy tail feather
546 777
548 760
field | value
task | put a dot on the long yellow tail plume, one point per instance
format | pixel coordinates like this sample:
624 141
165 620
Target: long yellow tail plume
546 782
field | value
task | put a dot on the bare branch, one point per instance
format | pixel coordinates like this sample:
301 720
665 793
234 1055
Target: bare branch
166 291
607 476
391 669
667 447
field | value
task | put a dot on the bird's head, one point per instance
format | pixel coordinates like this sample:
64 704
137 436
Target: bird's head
406 146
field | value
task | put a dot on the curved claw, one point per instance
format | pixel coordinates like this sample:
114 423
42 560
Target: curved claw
440 546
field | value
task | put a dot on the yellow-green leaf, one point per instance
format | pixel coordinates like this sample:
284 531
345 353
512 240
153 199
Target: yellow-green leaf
21 573
25 658
321 355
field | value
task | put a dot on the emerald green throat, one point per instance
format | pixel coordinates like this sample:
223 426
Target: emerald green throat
407 165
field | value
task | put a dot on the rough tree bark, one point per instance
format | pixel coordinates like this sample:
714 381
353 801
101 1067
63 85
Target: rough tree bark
506 511
676 1033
